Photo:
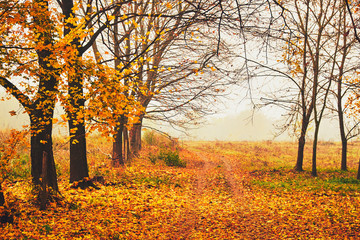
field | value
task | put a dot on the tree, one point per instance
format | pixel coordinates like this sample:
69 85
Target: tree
27 52
75 100
348 125
41 44
327 11
312 54
297 97
145 48
179 77
353 100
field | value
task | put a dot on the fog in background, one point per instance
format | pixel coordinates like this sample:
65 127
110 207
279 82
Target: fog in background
17 121
236 122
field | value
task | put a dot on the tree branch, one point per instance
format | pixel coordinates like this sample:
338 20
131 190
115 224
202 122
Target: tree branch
352 20
22 98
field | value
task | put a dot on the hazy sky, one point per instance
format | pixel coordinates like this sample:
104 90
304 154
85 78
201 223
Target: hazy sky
7 121
234 123
17 121
242 126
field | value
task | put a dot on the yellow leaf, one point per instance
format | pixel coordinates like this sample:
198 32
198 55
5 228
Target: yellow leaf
63 117
12 113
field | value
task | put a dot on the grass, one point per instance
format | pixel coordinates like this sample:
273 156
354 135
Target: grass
334 184
270 165
20 167
143 200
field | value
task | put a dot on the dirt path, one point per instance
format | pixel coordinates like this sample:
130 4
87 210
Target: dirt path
236 186
201 177
192 215
211 165
235 183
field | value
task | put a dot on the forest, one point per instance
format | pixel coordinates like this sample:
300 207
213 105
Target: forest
104 69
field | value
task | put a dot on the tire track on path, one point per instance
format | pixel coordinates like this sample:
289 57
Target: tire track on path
229 170
192 215
236 186
202 185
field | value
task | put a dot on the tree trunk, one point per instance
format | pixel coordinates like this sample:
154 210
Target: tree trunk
300 155
135 137
126 144
42 110
2 198
344 154
76 105
342 130
117 157
314 169
358 173
41 141
78 159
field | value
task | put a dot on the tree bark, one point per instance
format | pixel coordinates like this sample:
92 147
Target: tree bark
342 129
126 144
42 142
314 169
344 154
358 173
2 198
301 146
78 158
135 137
300 155
117 157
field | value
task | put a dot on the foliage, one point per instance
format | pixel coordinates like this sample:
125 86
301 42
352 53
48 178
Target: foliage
222 190
227 190
12 163
168 152
149 138
153 158
171 158
153 138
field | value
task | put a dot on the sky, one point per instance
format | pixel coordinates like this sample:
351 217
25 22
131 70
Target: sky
6 120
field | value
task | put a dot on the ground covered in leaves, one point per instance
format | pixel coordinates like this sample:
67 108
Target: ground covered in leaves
226 191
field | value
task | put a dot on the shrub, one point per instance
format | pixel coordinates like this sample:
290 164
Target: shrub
149 138
12 163
20 167
153 158
153 138
171 158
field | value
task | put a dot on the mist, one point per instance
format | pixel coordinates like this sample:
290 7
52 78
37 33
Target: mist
245 125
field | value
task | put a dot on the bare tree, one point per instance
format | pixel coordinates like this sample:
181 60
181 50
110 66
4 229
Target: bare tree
171 68
315 50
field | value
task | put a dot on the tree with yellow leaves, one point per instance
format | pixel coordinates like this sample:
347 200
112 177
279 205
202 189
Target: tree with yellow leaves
30 73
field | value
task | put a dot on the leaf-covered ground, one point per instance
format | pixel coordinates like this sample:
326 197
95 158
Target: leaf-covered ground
226 191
